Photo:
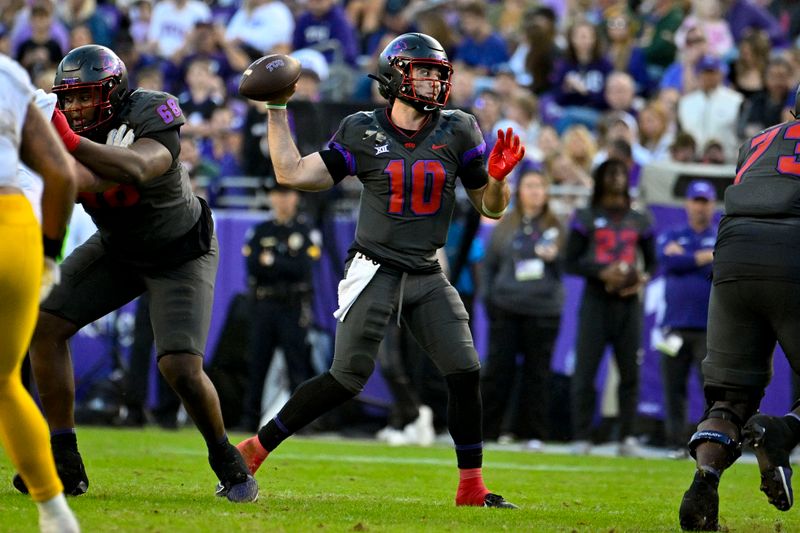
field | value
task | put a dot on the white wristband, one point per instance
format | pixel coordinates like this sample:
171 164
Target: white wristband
492 214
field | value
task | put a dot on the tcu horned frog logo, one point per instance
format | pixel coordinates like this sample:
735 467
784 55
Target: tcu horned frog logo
276 64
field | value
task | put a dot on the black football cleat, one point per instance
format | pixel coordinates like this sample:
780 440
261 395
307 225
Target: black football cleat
235 482
700 505
772 441
70 469
495 500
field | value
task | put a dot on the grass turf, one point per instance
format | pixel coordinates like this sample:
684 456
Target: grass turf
159 481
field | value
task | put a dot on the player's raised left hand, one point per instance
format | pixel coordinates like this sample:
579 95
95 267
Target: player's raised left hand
507 152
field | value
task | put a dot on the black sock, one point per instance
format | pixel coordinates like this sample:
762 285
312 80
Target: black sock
312 399
708 474
219 447
464 420
64 440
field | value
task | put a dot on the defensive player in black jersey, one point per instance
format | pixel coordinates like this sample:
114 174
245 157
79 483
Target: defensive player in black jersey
754 303
154 235
407 157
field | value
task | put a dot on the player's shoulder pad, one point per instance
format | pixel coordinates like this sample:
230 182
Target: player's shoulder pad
361 118
464 127
149 112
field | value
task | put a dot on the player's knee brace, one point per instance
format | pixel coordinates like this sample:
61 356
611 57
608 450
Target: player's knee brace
733 447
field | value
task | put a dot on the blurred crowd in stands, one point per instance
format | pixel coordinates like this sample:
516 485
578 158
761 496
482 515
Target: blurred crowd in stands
646 80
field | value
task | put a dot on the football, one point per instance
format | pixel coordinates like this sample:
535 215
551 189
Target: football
269 77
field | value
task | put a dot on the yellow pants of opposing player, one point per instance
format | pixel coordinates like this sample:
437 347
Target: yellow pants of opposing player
23 430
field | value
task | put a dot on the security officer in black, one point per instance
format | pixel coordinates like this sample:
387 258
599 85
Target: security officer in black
279 254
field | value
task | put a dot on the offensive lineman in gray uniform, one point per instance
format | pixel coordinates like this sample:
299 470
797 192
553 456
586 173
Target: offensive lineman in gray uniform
154 235
408 157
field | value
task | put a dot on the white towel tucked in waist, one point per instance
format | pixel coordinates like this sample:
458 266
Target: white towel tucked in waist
359 274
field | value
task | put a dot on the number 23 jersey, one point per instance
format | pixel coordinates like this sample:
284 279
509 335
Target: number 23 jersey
409 181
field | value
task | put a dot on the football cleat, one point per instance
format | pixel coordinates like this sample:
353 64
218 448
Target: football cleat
495 500
772 441
235 481
700 505
253 453
69 466
247 491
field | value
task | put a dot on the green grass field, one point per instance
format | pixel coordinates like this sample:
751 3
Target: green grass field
158 481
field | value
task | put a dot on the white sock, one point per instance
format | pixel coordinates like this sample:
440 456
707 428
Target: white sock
55 516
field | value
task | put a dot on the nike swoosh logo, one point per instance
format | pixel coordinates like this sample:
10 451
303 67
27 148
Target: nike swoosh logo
437 146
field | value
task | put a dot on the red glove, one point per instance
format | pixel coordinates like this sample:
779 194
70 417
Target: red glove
507 152
70 138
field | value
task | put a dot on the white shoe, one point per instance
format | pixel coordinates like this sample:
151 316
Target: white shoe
392 436
534 445
629 447
581 447
421 430
55 516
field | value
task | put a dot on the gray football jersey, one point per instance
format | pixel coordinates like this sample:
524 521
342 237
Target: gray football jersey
409 182
136 219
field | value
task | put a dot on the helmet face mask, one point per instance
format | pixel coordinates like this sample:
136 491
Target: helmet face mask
91 84
414 68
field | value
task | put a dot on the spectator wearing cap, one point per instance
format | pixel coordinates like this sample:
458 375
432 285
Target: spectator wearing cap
481 47
685 254
712 110
172 22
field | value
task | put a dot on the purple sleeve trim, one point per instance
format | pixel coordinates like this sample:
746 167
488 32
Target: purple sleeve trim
472 153
348 157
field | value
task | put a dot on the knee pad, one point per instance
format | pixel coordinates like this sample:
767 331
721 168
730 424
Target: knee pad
355 375
735 405
731 446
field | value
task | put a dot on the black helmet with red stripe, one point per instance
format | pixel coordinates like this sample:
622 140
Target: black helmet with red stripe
414 68
97 69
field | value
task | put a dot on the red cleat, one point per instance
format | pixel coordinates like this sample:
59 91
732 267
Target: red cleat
253 453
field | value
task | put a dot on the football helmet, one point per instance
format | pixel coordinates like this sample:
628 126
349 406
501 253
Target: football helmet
98 69
398 64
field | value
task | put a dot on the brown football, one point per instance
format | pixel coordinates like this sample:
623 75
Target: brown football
268 77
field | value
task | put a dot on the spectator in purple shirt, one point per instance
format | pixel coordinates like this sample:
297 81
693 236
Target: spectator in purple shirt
581 78
744 16
325 27
482 47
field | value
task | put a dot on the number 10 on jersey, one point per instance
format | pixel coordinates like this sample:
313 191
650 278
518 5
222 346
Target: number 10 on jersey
427 178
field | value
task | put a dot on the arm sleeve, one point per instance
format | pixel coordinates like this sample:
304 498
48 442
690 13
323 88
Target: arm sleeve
338 158
472 167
